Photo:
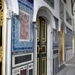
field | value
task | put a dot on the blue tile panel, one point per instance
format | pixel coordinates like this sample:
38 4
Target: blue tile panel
68 38
55 43
26 6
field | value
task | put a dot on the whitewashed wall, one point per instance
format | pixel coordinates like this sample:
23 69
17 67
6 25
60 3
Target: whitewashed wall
41 3
67 7
55 12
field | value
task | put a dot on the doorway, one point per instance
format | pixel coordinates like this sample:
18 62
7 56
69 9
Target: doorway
41 47
61 45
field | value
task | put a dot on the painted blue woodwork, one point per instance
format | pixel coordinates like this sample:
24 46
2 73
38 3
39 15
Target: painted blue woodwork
26 6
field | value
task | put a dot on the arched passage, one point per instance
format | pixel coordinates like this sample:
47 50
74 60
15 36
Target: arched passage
47 61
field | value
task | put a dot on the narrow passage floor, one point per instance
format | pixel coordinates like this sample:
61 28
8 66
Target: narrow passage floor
69 69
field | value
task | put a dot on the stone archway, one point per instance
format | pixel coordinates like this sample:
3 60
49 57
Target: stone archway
45 13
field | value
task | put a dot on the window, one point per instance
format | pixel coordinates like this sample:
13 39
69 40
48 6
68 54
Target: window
72 6
50 2
55 35
64 1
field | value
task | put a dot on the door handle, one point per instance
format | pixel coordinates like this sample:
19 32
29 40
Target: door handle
40 48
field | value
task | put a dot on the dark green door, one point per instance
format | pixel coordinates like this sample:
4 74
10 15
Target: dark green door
41 47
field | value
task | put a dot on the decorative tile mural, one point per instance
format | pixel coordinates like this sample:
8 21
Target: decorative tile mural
68 38
55 34
23 28
50 2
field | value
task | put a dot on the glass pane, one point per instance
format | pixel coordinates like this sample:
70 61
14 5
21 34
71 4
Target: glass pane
68 18
22 59
23 72
38 29
43 67
44 30
64 1
17 74
50 2
31 72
